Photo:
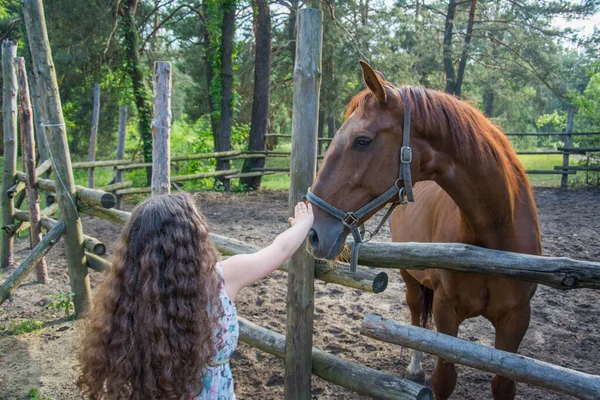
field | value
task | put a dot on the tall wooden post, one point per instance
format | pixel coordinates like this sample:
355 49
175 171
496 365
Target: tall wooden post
56 133
94 133
301 275
28 154
40 135
121 148
564 180
9 125
161 129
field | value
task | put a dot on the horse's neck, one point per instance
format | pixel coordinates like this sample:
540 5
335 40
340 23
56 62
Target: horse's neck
495 214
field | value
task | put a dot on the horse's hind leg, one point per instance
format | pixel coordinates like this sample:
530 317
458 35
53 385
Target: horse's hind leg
414 299
443 379
510 329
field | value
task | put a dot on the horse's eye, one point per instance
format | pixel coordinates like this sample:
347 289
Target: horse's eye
362 142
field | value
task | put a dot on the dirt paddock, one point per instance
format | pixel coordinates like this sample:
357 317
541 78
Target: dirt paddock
564 327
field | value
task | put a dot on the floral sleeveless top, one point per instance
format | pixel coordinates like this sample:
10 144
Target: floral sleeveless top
218 380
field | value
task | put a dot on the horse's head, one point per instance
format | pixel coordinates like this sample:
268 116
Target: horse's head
362 162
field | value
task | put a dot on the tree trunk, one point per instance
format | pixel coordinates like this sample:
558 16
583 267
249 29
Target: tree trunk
223 138
214 123
447 51
140 89
489 102
260 104
292 30
465 50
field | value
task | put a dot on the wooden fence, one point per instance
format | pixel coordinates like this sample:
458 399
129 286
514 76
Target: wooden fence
556 272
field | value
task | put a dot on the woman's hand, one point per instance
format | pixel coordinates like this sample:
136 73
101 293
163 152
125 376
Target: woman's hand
302 214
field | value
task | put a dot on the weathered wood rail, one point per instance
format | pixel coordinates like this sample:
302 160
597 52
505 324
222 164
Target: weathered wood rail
459 351
557 272
349 375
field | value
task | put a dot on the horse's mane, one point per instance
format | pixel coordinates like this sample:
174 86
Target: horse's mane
443 116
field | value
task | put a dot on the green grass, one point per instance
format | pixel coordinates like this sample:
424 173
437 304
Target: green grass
36 394
22 327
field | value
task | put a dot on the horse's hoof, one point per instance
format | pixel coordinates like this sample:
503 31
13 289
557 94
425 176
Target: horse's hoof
419 377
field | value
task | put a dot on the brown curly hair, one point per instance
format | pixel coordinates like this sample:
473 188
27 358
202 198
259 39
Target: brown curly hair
149 331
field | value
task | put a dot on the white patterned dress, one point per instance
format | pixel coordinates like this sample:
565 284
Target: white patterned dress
218 380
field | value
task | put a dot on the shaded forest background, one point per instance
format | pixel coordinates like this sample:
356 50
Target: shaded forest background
234 60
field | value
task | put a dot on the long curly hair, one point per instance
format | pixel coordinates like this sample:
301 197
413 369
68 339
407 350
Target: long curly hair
149 332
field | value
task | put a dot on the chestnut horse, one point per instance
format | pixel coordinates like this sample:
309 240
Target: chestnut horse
472 189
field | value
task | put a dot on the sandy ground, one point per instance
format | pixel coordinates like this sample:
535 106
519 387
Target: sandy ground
564 330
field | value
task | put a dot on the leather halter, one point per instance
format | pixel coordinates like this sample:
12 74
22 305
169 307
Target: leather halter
404 194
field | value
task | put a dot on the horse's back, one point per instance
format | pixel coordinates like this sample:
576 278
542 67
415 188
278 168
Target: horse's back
433 217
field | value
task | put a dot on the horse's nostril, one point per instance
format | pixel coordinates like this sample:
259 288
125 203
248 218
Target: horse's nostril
313 238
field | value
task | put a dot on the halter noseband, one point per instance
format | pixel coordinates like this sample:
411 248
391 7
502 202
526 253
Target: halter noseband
404 194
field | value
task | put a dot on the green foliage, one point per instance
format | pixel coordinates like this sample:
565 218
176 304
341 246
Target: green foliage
63 301
22 327
36 394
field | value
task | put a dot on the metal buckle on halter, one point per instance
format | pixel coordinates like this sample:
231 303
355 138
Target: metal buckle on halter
350 220
405 155
402 196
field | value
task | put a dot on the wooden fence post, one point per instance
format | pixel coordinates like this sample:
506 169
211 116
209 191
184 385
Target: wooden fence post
9 124
56 133
564 180
300 293
161 129
28 154
94 133
121 148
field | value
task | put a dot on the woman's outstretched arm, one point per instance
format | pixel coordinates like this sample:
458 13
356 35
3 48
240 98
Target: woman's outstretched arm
244 269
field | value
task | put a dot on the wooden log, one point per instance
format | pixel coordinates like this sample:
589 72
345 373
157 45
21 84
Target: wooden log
365 279
97 263
133 166
181 178
14 280
120 149
118 216
92 244
94 133
271 170
28 154
243 157
248 174
161 129
105 163
459 351
41 141
300 289
548 172
221 154
557 272
9 125
123 192
539 153
564 180
44 167
43 67
15 189
93 197
578 168
579 149
116 186
349 375
549 133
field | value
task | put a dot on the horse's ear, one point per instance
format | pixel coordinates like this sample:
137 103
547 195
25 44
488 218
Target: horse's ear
374 81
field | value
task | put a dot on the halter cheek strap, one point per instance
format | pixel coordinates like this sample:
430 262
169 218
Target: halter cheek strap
403 193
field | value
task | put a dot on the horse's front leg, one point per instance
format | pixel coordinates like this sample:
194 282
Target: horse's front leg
443 379
510 329
414 299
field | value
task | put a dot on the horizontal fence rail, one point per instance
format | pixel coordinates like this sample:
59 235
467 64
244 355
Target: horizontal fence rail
557 272
459 351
